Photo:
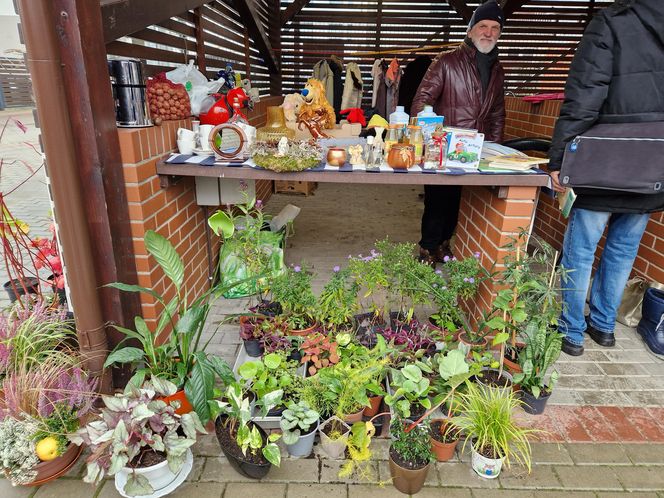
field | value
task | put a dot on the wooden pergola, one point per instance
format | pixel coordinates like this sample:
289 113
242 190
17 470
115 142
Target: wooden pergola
275 42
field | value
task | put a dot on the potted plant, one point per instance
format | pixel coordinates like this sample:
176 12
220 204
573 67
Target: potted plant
272 373
140 440
369 272
338 301
292 289
247 447
299 424
42 404
251 333
410 456
334 434
412 342
486 417
319 351
542 348
410 390
177 355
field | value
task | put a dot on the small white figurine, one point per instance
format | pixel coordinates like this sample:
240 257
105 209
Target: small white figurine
282 147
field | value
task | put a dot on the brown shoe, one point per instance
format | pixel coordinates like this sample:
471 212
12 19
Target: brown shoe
442 251
427 257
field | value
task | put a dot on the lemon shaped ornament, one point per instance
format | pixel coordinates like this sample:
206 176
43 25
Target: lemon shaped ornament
47 448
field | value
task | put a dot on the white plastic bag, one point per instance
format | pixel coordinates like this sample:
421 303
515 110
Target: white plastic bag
188 75
197 85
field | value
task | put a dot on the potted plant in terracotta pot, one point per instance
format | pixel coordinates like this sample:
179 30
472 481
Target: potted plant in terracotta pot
42 404
410 456
173 351
292 289
542 348
486 417
299 424
140 440
250 451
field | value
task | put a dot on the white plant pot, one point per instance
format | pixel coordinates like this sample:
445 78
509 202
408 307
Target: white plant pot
488 468
162 480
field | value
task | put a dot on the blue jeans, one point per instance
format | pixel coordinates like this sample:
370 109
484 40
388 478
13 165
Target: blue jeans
584 230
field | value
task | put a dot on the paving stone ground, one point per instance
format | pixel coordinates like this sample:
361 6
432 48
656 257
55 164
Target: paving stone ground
605 419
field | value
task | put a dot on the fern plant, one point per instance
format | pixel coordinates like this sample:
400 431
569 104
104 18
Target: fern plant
543 345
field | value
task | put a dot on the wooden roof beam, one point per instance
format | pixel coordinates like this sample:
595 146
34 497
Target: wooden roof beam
461 7
511 6
292 10
252 22
124 17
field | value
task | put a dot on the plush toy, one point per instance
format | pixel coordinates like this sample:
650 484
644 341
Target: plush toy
315 106
291 106
355 115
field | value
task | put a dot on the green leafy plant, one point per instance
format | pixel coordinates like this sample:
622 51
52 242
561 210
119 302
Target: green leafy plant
543 346
297 419
235 405
410 387
270 374
292 289
412 445
338 301
314 393
359 452
177 356
487 419
132 424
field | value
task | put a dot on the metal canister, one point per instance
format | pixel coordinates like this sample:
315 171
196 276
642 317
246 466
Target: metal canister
131 105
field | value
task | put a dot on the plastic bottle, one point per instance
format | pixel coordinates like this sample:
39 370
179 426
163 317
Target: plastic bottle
427 112
399 117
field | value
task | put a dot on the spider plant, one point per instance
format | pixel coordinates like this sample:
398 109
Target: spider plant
486 417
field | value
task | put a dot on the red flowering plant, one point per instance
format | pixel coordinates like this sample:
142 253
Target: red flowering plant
48 256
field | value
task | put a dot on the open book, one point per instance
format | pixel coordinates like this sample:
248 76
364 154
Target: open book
515 162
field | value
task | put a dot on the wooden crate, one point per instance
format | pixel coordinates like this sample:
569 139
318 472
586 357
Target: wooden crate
292 187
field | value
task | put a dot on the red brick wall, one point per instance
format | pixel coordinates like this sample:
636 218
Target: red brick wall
487 222
171 211
537 120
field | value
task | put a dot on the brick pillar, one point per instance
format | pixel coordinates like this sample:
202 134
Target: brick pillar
488 219
172 211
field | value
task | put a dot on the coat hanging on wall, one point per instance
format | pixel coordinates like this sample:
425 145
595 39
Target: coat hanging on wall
412 77
353 87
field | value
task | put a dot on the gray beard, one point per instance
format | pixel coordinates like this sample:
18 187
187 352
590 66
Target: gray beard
484 51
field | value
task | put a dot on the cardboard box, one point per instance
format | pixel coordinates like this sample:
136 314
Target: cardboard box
291 187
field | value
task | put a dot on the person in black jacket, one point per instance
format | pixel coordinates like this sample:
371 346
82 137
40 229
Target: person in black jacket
617 76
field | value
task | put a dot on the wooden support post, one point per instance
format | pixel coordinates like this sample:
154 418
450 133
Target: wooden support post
92 116
252 22
200 40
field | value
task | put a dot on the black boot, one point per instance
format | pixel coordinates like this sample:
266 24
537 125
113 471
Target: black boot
651 326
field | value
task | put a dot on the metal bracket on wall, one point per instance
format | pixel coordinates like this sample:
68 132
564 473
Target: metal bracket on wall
166 181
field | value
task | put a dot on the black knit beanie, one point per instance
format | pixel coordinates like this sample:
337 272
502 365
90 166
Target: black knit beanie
487 11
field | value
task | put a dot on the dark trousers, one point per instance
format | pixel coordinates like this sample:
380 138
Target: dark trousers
441 212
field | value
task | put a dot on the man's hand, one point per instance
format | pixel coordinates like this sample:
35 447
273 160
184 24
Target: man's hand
556 182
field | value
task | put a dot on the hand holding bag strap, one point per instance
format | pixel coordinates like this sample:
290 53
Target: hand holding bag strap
627 157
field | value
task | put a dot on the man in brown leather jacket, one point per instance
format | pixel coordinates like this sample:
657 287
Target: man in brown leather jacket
466 86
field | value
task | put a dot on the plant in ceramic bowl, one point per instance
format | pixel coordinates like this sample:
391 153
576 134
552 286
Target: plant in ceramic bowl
486 417
292 289
141 440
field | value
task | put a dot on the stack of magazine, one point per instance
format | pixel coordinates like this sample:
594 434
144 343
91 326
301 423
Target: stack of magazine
496 158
